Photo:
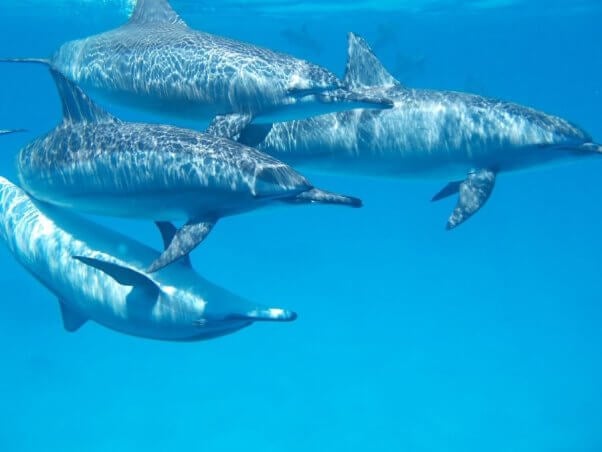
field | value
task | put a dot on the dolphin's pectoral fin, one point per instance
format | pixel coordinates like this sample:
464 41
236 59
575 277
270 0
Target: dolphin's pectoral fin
183 242
473 192
168 232
450 189
72 321
125 276
229 126
266 315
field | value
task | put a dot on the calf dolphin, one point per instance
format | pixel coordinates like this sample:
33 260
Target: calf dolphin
98 275
157 62
427 134
95 163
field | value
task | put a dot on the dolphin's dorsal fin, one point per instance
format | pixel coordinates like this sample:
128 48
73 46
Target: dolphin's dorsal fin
473 193
77 106
155 11
364 69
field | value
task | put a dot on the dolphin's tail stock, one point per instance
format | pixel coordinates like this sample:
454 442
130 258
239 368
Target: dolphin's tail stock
317 196
42 61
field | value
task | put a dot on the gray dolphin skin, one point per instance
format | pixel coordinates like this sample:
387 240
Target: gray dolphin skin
99 275
427 134
156 62
93 162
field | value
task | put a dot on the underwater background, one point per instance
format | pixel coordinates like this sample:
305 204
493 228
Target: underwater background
409 337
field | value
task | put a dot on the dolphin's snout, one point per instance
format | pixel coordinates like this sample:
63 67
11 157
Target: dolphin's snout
265 315
357 99
272 315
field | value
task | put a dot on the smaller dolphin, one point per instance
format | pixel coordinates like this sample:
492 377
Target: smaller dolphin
156 62
95 163
98 275
428 134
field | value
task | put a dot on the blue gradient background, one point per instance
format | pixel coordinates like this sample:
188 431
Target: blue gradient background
410 338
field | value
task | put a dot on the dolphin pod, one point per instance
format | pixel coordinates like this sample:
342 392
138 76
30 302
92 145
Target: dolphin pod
269 111
99 275
428 134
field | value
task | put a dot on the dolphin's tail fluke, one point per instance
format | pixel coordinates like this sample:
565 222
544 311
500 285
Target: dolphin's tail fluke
42 61
315 195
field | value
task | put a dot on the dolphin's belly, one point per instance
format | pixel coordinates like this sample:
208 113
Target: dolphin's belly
171 107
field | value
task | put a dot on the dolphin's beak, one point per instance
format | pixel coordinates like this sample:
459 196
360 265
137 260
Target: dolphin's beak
267 315
359 99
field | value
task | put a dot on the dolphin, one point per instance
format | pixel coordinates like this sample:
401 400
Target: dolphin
99 275
156 62
467 138
96 163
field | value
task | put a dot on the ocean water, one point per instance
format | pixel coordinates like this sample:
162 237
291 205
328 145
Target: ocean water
409 337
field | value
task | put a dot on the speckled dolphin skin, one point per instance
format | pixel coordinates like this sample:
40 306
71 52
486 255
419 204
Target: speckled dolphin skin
156 62
93 162
98 275
427 134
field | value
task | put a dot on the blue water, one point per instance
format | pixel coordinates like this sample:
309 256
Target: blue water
409 338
